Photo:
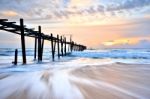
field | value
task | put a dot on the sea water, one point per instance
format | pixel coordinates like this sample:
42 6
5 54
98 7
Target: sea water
76 58
116 55
59 80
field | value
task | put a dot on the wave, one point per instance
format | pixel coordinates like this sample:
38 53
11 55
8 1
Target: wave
96 54
115 54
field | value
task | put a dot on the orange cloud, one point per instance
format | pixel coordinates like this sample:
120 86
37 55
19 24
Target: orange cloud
80 3
9 13
120 41
125 42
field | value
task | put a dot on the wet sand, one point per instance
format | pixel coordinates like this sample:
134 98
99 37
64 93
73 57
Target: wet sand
114 81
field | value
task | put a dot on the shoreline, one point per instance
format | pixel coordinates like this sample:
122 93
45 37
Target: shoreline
114 81
111 81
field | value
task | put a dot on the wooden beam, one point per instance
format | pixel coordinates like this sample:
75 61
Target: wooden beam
3 19
10 25
11 22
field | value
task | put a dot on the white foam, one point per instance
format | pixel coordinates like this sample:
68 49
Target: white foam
63 88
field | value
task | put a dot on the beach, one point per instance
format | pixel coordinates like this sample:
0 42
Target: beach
75 49
110 81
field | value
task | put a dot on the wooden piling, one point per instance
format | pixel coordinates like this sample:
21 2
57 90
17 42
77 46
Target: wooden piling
42 48
39 45
65 49
35 47
62 53
70 43
23 41
72 46
52 47
16 57
58 47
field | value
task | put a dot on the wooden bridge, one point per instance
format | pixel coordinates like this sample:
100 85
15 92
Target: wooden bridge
39 37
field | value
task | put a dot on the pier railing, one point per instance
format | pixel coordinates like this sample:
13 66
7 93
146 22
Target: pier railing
59 41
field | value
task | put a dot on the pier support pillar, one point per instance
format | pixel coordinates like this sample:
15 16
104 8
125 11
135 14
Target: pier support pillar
23 41
52 47
65 49
35 47
58 47
62 53
16 57
39 45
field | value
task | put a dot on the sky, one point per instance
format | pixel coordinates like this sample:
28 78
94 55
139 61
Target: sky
94 23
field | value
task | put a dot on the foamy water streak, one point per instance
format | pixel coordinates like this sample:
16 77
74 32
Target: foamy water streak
83 75
67 83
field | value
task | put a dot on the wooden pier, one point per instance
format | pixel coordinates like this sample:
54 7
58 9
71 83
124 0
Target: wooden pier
59 41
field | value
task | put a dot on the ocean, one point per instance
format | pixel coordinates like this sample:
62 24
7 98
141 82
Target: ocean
115 55
91 74
75 59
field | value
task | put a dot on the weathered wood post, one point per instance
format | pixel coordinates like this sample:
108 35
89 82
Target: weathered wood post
23 41
61 46
52 47
58 47
71 46
68 48
42 48
35 47
16 57
70 43
39 45
65 49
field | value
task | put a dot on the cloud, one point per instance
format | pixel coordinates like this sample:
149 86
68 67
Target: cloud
138 28
116 42
141 44
80 3
144 43
65 9
128 4
9 13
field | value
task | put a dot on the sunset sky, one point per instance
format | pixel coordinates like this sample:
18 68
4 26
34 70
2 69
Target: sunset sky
94 23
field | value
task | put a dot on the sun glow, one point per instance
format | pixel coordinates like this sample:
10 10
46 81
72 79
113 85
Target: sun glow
117 42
